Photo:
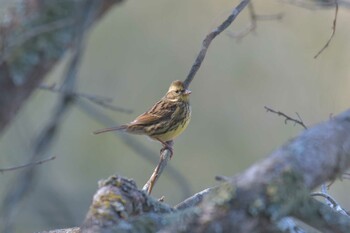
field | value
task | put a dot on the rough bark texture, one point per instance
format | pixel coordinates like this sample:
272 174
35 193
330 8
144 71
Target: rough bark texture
254 201
34 39
118 199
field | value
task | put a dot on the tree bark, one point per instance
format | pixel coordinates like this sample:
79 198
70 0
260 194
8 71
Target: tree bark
253 201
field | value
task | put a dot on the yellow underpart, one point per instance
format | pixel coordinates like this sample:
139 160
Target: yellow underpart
170 135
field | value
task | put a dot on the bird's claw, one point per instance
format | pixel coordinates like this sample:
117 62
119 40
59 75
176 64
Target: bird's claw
169 148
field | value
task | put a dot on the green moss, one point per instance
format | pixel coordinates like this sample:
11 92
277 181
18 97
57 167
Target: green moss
256 207
116 181
110 206
284 194
221 198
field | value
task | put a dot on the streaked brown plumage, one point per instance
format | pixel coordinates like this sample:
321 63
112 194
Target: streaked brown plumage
166 120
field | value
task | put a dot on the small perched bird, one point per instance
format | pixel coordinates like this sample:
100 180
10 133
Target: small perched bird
166 120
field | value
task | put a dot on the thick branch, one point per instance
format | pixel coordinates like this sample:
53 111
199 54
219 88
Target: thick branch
322 217
165 156
268 191
277 186
118 199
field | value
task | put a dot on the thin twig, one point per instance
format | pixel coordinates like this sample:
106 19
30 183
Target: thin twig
333 203
194 200
253 22
287 118
27 165
333 30
324 190
251 27
208 39
331 200
165 156
99 100
319 4
222 178
54 88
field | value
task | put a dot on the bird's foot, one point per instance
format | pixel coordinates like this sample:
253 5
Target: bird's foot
168 145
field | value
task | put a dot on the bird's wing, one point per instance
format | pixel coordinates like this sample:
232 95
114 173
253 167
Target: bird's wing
160 111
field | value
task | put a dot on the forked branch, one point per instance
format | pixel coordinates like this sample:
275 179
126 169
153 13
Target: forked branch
210 37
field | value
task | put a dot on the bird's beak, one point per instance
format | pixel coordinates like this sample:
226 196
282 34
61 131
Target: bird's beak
187 92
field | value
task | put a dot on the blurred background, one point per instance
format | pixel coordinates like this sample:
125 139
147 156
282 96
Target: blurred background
132 56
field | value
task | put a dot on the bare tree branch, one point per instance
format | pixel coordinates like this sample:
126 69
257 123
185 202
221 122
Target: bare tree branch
288 118
333 203
27 165
209 38
318 4
321 217
253 22
165 156
319 154
194 200
99 100
253 201
333 30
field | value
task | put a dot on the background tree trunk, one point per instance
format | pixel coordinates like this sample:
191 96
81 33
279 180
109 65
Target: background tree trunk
36 37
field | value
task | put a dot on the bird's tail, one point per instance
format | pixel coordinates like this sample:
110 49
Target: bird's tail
122 127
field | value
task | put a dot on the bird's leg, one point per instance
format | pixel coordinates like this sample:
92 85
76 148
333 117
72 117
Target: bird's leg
168 145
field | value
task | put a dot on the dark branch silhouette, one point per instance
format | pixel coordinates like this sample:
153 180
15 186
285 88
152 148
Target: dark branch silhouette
254 18
288 118
210 37
333 30
27 165
99 100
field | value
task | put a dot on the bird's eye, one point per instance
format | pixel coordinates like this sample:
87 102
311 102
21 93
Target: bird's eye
177 91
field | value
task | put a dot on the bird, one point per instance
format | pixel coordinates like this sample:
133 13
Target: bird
163 122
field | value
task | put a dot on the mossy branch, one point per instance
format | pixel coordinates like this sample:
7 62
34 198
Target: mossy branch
253 201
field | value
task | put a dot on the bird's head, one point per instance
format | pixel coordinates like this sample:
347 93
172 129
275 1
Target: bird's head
178 92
